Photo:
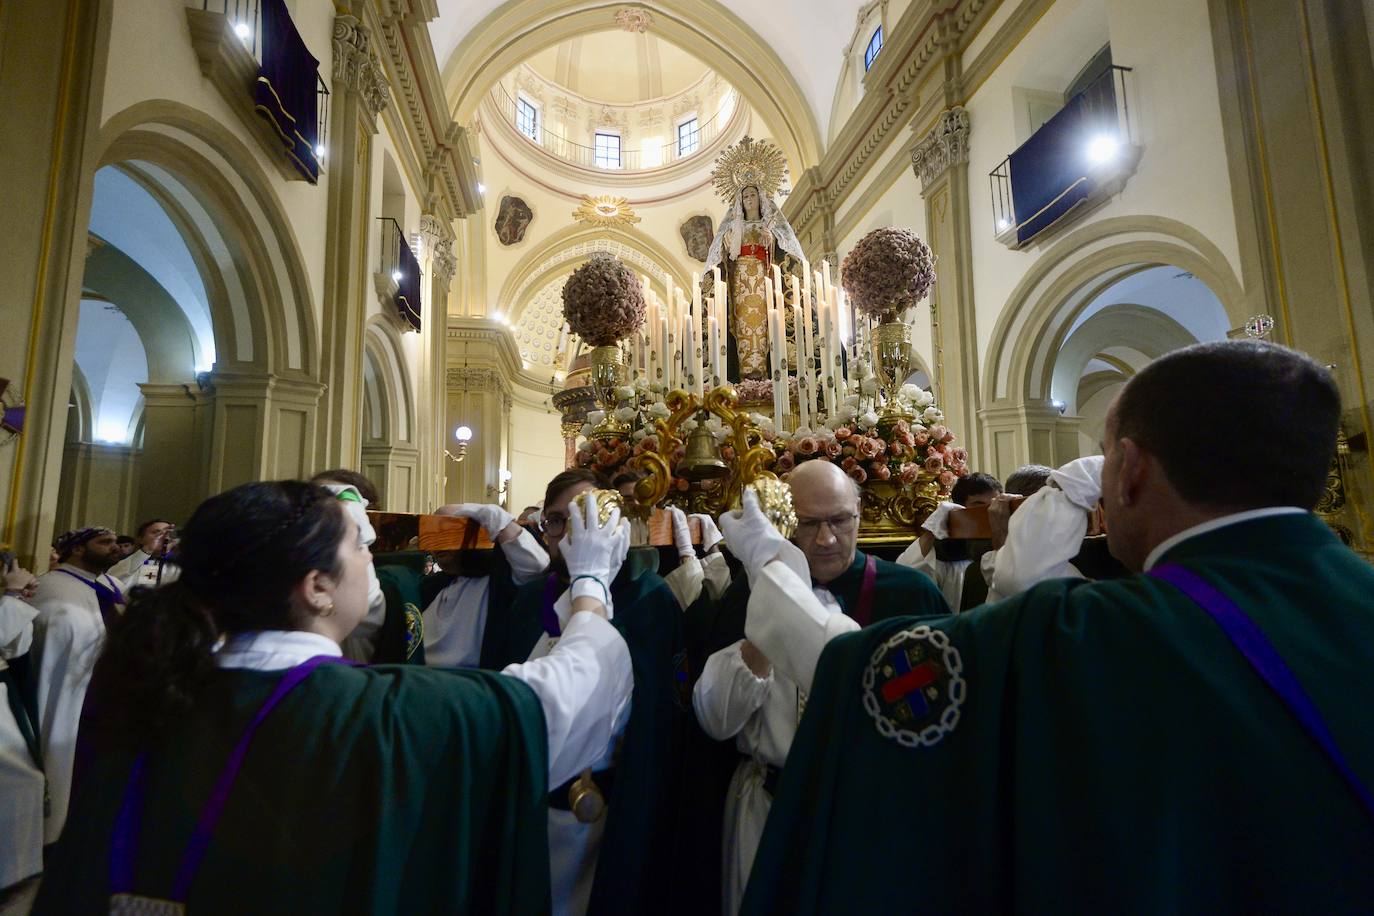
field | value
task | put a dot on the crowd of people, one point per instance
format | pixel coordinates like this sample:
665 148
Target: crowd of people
1140 687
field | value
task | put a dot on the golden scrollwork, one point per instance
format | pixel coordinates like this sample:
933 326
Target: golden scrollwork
891 512
753 458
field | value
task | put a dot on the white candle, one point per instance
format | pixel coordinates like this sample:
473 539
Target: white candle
713 341
803 382
775 334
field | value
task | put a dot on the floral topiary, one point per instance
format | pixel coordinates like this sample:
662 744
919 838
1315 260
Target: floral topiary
889 270
603 301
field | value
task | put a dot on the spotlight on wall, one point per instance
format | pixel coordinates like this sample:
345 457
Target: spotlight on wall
1003 224
396 275
319 151
1058 405
242 30
481 188
1103 149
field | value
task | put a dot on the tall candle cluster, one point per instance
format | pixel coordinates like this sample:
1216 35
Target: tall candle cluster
683 341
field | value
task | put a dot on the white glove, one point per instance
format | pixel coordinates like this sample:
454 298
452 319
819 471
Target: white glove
356 507
710 534
493 518
682 532
756 543
937 523
593 553
1081 481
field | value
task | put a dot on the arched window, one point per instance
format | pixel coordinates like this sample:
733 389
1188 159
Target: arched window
875 44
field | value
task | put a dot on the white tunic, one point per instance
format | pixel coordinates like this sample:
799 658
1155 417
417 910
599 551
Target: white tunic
68 634
948 575
761 714
129 565
456 619
147 573
693 575
21 782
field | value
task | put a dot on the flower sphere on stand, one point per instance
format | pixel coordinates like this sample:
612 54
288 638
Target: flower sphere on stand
603 304
889 271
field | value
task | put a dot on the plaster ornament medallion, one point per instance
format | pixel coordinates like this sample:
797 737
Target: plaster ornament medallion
605 210
634 20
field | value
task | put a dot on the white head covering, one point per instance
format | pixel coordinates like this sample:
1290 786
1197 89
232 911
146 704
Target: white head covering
730 234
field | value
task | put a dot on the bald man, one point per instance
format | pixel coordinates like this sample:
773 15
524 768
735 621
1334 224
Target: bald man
741 697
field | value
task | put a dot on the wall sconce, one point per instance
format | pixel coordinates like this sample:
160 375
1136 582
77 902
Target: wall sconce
464 435
499 493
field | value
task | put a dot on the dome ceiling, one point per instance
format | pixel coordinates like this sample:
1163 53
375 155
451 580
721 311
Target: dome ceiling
618 67
808 37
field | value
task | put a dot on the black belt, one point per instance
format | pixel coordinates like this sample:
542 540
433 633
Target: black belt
604 779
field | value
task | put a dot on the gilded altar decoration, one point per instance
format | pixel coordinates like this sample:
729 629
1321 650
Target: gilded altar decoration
605 210
775 501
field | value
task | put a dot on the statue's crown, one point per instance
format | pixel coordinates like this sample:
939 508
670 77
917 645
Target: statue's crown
749 162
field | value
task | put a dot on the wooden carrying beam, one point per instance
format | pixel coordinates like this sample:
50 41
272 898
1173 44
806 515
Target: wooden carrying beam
411 531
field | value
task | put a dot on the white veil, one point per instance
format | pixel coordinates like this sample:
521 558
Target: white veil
730 234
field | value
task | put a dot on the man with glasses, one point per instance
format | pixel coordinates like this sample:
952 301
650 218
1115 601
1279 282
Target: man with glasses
616 854
740 695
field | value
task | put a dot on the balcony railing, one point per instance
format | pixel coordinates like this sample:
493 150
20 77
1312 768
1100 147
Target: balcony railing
399 263
1075 159
246 18
588 157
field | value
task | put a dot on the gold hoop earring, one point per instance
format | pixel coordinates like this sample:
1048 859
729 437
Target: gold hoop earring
329 611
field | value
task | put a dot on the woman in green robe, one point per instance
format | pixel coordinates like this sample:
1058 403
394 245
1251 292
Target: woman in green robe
212 780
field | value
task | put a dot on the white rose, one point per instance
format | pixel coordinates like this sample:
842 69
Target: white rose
688 425
586 431
595 416
638 435
660 410
849 412
869 386
924 398
851 401
624 392
802 432
625 414
868 420
932 415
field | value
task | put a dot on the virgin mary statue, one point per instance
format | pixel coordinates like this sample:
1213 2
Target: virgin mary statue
747 175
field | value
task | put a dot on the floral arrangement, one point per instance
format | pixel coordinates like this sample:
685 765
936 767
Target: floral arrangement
888 270
603 301
851 439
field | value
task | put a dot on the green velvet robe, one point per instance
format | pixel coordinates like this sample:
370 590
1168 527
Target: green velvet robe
1115 753
394 789
709 765
635 862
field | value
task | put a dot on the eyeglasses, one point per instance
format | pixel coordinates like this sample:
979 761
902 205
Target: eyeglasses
553 524
839 525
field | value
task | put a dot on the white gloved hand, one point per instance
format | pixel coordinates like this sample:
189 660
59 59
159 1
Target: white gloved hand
937 523
593 553
682 532
493 518
752 538
1081 481
710 534
356 506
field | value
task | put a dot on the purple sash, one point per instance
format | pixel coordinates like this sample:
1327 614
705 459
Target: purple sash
107 595
552 589
127 823
1251 642
863 608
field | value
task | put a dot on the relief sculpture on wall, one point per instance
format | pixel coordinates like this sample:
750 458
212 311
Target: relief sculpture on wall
697 232
512 219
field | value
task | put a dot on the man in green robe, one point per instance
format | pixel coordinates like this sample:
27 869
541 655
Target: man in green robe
622 861
1113 746
739 697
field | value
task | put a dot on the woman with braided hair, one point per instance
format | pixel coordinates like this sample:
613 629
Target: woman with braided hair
233 761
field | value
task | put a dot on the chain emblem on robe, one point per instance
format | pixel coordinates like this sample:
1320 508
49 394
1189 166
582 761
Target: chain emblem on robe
913 687
415 629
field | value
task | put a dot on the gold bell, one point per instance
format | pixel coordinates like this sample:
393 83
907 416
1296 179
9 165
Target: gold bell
702 461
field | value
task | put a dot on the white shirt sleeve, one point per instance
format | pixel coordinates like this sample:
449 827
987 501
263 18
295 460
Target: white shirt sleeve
686 581
717 574
788 623
527 559
16 627
584 685
728 694
1043 535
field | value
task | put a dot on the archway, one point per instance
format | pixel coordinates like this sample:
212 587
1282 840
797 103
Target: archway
1096 307
389 454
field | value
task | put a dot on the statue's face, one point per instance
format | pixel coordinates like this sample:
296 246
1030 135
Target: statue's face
749 199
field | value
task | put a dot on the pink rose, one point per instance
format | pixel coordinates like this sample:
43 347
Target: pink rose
880 470
960 455
895 449
786 462
934 463
849 463
907 439
947 479
844 432
833 449
870 448
910 473
901 427
949 459
585 458
949 437
938 433
858 474
807 446
921 439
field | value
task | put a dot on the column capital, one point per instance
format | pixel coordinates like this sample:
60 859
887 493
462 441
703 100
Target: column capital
439 241
946 145
356 66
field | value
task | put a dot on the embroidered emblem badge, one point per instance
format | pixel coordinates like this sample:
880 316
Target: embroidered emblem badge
913 687
415 629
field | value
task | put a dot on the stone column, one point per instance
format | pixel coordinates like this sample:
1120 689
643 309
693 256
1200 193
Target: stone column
1295 81
358 94
940 160
52 82
433 436
172 466
479 398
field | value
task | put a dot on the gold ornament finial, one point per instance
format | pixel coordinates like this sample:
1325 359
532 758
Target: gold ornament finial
749 162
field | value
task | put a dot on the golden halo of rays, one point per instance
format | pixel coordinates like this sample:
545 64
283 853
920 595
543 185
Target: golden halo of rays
749 162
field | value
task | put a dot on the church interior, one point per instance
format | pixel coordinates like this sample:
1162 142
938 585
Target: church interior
196 303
